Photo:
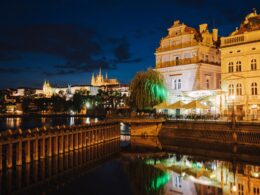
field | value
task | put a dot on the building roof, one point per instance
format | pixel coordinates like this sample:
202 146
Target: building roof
250 23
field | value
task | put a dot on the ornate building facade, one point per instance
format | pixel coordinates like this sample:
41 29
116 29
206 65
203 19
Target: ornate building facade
99 80
240 69
189 60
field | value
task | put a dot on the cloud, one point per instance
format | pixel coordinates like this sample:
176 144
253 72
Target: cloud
12 70
79 47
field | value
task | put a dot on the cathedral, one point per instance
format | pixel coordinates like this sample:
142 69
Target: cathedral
99 80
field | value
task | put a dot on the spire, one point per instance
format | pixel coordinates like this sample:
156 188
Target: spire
93 79
106 75
100 71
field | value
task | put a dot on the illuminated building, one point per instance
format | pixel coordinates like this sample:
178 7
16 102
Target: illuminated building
99 80
189 60
240 69
47 89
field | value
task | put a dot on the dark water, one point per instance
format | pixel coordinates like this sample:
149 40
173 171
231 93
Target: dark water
27 122
143 166
135 166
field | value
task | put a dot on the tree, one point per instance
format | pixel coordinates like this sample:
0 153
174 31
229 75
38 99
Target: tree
147 90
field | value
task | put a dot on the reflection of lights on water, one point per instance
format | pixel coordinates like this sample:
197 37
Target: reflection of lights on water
125 137
13 122
96 120
71 112
88 120
72 121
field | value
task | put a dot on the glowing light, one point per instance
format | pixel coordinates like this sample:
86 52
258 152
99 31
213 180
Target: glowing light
234 188
160 181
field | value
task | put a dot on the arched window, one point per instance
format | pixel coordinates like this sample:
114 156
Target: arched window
179 84
254 88
239 89
231 89
238 66
230 67
253 64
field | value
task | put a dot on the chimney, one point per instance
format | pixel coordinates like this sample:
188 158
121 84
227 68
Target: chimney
215 34
203 27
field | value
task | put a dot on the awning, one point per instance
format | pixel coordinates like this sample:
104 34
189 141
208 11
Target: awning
162 105
176 105
195 104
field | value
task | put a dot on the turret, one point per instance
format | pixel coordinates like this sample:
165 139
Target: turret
215 34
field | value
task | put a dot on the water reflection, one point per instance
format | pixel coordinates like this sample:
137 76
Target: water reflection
154 168
52 174
181 174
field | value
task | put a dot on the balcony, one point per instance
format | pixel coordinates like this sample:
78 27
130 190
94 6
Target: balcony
238 39
179 46
183 62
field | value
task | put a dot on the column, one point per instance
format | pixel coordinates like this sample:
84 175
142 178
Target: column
76 144
9 160
27 151
80 139
61 144
19 152
35 149
66 143
84 141
49 147
42 148
1 158
71 141
55 145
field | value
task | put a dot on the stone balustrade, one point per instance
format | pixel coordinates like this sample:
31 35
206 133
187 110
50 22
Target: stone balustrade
23 146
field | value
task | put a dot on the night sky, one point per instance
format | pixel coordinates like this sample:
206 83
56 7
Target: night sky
65 41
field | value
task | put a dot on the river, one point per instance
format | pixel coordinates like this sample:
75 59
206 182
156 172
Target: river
139 166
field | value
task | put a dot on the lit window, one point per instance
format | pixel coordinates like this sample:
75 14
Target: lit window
239 89
238 66
231 89
254 88
230 67
179 84
253 64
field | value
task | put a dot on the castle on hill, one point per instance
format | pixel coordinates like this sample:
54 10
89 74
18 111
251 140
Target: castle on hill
99 80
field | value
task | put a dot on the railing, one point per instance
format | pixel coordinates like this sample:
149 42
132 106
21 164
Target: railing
183 62
179 46
232 40
32 145
50 174
242 38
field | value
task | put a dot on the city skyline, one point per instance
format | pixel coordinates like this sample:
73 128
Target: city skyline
64 42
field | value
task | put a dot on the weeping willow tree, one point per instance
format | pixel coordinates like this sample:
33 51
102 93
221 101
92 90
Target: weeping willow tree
147 90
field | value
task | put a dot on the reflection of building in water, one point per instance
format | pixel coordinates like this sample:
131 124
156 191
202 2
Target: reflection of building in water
183 175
